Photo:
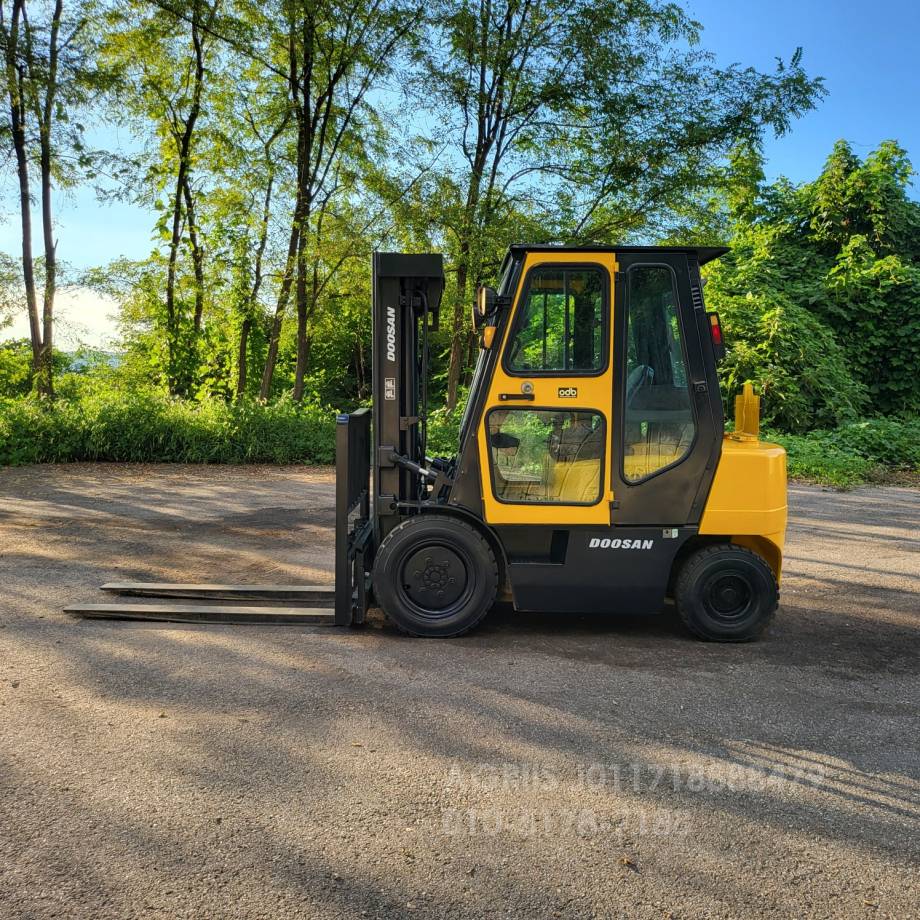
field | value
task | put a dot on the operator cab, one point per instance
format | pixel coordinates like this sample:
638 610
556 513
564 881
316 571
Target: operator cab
596 387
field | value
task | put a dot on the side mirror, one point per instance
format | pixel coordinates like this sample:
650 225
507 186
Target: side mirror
486 300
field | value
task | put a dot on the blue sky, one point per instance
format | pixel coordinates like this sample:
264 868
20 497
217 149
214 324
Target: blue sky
868 53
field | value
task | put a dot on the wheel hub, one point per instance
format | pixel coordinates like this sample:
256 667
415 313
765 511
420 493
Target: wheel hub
434 577
729 596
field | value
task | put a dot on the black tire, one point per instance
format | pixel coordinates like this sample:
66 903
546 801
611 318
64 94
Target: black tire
726 593
435 576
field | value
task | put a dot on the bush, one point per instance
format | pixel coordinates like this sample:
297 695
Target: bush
444 429
810 459
792 358
889 441
854 453
821 291
148 427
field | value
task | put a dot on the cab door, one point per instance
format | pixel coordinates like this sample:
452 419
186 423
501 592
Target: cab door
545 438
667 410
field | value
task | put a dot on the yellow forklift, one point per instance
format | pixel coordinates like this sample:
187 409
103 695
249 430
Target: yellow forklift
592 471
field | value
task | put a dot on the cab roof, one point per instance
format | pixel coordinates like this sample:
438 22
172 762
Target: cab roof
703 254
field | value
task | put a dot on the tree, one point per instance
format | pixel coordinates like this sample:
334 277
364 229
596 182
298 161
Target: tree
821 290
601 116
161 67
261 147
246 154
45 80
334 54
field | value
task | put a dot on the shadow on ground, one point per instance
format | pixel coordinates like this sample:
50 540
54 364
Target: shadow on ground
256 771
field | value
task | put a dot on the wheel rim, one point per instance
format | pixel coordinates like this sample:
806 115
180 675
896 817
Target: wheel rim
436 580
729 596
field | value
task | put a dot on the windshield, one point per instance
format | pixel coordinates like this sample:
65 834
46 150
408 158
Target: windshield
505 279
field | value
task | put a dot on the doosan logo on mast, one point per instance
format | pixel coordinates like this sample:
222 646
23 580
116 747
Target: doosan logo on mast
391 334
607 543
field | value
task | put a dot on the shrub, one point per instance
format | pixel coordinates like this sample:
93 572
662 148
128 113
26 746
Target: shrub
148 427
822 288
888 441
810 459
444 430
853 453
792 358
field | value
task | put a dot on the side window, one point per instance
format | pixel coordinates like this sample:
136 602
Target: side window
659 428
546 455
561 322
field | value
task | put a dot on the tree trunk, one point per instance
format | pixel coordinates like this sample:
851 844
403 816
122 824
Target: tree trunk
291 264
281 305
241 357
197 254
25 215
252 305
45 370
360 369
184 142
40 326
300 368
455 365
468 223
172 341
471 350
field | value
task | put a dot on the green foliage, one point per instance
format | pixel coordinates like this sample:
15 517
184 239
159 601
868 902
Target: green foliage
875 310
15 367
444 429
16 373
821 292
810 459
263 145
793 360
150 427
890 442
853 453
544 109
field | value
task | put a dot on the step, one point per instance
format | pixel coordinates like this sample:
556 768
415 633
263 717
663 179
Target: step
203 613
313 594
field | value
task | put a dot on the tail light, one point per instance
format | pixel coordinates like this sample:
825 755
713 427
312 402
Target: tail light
715 333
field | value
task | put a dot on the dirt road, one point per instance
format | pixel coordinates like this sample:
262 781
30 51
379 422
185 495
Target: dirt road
541 767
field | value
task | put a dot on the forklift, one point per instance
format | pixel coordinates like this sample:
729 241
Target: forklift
592 473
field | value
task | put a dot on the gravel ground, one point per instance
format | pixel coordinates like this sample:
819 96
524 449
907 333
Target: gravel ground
541 767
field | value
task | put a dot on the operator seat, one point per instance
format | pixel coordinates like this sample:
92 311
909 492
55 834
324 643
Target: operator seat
576 452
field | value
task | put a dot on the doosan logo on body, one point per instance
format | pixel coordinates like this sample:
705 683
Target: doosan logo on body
391 334
607 543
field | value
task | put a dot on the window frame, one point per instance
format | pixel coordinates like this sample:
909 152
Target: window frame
603 458
520 310
621 446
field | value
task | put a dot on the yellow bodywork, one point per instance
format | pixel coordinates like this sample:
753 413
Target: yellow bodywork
747 501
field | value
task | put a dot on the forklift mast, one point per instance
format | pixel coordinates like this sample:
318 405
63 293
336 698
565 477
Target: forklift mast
407 290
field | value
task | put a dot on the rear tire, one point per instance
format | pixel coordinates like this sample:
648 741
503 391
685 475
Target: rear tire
435 576
726 593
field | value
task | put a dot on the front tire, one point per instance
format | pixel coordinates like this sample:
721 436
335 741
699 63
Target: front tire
435 576
726 593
